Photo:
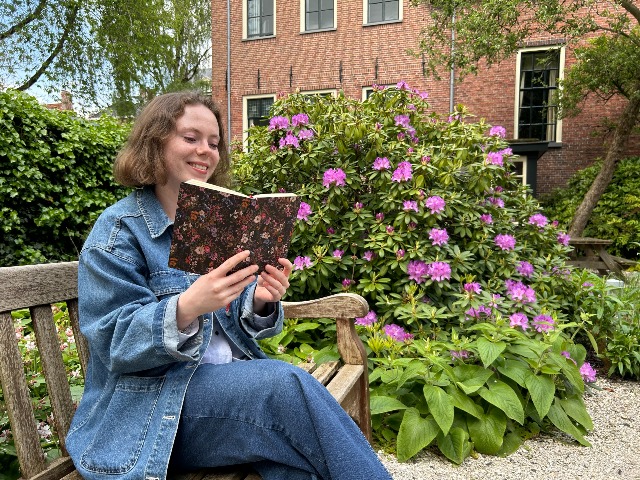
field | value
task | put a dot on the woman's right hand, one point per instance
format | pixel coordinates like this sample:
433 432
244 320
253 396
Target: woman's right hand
214 290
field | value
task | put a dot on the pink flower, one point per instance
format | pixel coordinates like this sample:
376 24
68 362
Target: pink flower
439 271
519 320
333 176
379 216
472 287
538 219
399 254
525 269
381 163
368 255
397 333
460 354
566 354
305 134
304 211
331 230
402 120
300 263
587 372
543 323
389 229
402 173
564 239
438 236
402 85
519 292
505 242
486 218
410 205
498 202
494 158
278 122
497 131
417 270
338 254
300 119
290 139
347 282
369 319
436 204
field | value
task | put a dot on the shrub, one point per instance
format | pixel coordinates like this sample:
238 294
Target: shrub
616 216
55 178
469 330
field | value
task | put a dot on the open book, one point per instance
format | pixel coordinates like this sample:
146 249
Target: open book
214 223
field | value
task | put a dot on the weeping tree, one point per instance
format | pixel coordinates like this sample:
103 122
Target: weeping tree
117 52
608 64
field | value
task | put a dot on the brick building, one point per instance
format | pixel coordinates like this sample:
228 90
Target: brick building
323 46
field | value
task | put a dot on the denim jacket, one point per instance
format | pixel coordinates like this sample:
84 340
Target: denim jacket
138 370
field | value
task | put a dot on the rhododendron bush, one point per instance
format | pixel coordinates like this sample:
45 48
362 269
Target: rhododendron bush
471 301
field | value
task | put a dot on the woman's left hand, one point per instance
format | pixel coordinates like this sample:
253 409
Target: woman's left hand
272 285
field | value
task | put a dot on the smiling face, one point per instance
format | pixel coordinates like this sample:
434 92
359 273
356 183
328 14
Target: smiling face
191 152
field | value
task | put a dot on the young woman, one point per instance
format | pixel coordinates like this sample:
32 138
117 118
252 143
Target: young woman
176 379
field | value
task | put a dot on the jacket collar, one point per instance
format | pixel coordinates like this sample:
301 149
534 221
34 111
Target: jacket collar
154 216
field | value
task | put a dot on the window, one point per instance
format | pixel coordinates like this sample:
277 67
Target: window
260 18
312 95
520 168
378 11
537 82
319 14
367 91
256 112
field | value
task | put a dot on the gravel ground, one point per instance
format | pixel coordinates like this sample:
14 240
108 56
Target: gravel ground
614 451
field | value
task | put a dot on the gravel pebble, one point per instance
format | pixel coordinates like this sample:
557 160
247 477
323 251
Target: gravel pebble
614 451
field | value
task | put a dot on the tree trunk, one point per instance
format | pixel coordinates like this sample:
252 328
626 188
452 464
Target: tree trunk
615 153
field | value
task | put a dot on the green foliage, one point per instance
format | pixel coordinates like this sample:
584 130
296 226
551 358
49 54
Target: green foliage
617 214
25 335
450 366
55 178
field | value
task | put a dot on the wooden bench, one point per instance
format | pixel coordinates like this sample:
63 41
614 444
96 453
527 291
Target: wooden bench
591 253
37 287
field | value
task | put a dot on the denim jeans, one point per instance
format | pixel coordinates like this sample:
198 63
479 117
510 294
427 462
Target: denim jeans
274 416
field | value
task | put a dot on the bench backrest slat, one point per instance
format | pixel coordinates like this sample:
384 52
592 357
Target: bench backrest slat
18 402
53 369
81 343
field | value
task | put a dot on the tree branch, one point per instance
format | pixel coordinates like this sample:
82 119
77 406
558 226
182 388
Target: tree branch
25 21
71 21
631 8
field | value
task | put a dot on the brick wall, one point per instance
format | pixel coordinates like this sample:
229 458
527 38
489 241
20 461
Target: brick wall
354 56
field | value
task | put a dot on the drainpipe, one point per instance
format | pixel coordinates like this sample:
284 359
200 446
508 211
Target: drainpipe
452 72
229 73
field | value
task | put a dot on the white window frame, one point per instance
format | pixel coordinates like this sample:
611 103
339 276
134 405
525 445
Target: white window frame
523 160
303 18
245 115
365 14
370 88
245 21
332 91
516 104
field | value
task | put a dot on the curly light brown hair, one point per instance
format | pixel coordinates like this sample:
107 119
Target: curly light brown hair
141 160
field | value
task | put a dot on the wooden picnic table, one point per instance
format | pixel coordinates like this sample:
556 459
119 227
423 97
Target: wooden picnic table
591 253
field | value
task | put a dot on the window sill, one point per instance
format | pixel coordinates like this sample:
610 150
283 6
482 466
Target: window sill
319 30
386 22
265 37
555 144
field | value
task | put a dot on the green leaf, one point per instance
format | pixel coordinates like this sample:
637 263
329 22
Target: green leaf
516 370
487 432
471 377
502 396
463 402
415 434
440 406
575 408
455 446
559 418
510 444
542 390
489 350
382 404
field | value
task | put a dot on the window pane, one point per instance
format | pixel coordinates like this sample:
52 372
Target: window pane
375 12
326 5
391 10
326 19
253 26
267 7
312 21
312 5
258 111
253 8
267 25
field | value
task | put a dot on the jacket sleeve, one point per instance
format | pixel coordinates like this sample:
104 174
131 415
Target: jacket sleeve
128 325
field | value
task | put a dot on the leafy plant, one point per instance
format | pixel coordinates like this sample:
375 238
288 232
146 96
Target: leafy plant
616 216
55 178
474 309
